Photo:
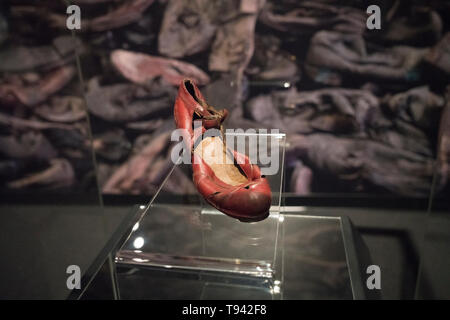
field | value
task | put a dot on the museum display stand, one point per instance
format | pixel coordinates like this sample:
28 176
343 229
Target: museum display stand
190 237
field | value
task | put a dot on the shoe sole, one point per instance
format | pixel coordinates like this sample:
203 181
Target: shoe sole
243 219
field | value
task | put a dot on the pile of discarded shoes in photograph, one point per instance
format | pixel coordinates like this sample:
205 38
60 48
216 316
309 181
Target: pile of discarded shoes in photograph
364 111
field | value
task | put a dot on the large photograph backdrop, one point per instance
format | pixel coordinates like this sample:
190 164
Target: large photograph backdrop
363 109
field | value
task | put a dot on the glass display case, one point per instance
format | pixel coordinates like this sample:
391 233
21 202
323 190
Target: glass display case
432 278
359 112
318 257
198 236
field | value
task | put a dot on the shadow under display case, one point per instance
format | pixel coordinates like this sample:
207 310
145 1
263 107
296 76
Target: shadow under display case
86 122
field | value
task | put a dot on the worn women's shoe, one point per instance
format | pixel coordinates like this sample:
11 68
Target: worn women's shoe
234 187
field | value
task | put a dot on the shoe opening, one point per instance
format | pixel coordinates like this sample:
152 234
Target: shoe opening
190 88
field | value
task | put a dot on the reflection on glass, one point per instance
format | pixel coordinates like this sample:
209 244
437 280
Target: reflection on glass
138 243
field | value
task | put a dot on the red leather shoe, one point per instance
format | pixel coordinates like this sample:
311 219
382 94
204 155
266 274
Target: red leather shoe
236 187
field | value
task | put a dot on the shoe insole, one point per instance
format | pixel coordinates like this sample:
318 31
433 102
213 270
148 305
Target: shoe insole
213 151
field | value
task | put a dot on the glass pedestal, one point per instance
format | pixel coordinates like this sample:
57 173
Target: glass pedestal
319 256
185 234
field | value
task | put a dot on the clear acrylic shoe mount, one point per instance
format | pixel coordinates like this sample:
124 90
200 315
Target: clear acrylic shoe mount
183 231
